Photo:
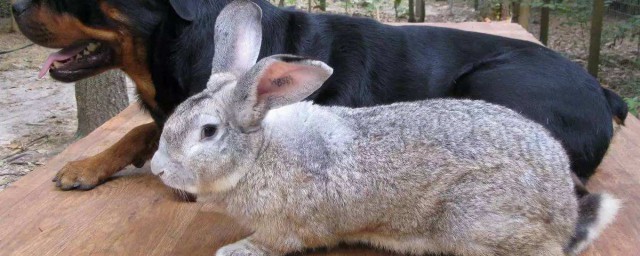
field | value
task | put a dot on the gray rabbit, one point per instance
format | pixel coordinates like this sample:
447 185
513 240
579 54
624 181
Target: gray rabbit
440 176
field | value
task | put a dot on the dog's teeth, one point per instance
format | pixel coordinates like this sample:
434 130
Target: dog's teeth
93 46
86 52
56 64
78 56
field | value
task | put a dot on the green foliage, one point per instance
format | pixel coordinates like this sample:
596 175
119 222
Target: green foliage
631 88
371 6
396 5
630 92
401 10
633 104
491 8
347 4
629 29
576 12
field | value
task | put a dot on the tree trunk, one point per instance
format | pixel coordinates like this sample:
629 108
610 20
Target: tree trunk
323 5
100 98
396 4
638 51
515 6
451 7
412 16
281 3
309 7
14 25
505 11
347 3
486 10
596 34
524 13
420 10
544 24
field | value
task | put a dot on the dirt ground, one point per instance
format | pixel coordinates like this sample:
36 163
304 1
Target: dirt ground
38 116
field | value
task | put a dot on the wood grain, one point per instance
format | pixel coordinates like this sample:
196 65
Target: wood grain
501 28
134 214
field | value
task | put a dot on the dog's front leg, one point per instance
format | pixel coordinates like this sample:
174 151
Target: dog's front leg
136 147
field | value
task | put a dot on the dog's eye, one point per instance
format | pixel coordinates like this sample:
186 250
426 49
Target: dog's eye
208 131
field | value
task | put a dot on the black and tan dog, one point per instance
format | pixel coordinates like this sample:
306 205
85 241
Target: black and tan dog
166 47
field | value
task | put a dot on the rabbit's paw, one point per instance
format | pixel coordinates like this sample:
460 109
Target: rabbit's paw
241 248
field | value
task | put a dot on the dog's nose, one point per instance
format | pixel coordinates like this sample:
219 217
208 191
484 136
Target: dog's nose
19 7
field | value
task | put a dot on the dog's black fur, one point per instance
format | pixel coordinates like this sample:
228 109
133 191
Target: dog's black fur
380 64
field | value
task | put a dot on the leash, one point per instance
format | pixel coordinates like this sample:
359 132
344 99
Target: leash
10 51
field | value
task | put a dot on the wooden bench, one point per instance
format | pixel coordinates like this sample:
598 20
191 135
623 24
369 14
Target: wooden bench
135 214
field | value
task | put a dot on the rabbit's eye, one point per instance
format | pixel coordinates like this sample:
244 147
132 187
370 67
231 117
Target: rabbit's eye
208 131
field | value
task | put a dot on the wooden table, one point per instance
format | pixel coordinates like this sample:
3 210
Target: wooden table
135 214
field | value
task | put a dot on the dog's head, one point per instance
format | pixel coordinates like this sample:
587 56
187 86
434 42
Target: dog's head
95 35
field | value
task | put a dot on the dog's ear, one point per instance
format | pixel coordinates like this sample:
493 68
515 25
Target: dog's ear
186 9
238 36
276 81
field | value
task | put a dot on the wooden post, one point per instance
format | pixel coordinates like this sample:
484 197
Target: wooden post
412 17
505 11
420 9
524 13
544 24
347 3
596 34
515 13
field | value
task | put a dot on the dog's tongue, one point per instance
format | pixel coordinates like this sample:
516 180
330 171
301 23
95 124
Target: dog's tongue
64 54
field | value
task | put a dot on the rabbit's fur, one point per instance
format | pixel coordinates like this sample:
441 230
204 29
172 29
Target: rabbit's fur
450 176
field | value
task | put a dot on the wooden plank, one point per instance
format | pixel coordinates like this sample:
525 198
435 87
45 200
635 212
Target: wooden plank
619 174
500 28
105 135
136 215
34 196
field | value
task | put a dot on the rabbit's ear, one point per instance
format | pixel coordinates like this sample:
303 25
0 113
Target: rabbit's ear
238 35
276 81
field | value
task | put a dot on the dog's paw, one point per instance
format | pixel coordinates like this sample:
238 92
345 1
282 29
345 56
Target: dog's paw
241 248
85 174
